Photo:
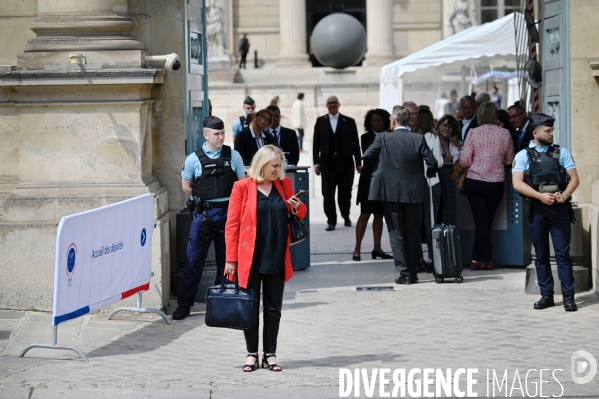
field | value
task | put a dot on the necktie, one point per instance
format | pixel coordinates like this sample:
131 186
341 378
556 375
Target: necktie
520 137
274 134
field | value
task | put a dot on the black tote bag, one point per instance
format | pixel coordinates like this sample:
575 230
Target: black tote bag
228 306
299 231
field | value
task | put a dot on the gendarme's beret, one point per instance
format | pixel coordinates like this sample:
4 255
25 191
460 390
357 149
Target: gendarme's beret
212 122
249 101
540 119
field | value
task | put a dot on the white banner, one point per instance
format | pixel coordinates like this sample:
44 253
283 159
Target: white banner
102 256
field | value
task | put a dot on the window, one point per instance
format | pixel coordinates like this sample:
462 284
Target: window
490 10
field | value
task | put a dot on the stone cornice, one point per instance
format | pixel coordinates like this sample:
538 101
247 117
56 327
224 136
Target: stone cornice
53 77
81 31
594 67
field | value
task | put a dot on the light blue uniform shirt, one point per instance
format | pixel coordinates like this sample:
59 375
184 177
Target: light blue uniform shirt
193 166
237 127
521 162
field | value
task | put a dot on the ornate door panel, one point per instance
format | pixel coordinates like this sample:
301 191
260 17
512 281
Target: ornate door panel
196 88
556 67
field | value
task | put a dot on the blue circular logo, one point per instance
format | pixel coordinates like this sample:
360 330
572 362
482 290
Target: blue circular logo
71 257
143 237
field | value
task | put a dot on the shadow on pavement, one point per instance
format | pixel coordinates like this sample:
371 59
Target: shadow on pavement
379 272
149 337
342 361
302 305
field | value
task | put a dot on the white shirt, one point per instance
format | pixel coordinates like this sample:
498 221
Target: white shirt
434 144
260 141
334 119
467 123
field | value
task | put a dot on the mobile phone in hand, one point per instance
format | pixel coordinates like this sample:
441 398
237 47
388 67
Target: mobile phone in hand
301 194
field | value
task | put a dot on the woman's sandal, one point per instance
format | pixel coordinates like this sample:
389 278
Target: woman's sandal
272 366
248 368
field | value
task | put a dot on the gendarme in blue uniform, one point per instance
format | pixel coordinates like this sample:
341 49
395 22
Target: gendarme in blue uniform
545 220
216 210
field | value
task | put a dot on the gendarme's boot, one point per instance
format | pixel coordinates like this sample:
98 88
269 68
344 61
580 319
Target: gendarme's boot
569 304
545 302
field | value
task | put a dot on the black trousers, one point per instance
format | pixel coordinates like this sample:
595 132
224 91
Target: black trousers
484 198
242 61
554 221
197 251
336 172
300 138
403 224
273 285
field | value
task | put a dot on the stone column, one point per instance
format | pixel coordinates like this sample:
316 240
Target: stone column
84 138
292 31
379 29
66 25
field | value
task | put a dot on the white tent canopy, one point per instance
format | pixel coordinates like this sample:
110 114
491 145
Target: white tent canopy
491 45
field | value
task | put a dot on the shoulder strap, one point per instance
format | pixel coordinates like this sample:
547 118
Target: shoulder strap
283 188
285 195
555 156
533 154
201 154
226 153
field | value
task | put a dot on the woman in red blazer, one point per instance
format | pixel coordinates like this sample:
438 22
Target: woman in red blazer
257 238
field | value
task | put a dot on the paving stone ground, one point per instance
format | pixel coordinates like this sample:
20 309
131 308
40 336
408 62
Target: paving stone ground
485 323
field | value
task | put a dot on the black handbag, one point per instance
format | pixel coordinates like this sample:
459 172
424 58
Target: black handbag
299 231
228 306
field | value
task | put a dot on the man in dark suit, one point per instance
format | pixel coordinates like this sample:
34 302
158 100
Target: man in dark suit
335 143
251 139
285 139
399 182
524 129
468 107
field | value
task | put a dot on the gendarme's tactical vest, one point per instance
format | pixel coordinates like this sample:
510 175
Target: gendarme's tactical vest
544 169
217 176
244 122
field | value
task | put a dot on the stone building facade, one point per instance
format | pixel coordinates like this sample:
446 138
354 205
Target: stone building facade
74 138
279 30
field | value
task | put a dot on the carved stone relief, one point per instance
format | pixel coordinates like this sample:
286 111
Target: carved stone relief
462 15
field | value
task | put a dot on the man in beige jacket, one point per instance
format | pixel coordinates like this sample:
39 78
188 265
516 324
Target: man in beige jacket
298 118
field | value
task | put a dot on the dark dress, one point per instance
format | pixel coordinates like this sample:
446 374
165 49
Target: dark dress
271 234
366 207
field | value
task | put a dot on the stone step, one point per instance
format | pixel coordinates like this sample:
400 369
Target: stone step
582 276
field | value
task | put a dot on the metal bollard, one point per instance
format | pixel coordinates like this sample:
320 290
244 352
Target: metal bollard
256 59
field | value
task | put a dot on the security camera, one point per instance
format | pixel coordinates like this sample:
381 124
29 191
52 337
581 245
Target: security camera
171 61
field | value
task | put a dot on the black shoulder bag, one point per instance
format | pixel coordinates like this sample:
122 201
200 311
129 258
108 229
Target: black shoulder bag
299 231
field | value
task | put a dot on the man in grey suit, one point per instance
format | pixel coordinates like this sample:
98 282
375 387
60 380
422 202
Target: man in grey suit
399 181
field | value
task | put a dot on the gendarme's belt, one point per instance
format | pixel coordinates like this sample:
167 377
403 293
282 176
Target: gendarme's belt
549 188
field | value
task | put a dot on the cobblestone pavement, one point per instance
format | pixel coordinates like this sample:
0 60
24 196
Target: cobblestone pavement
486 323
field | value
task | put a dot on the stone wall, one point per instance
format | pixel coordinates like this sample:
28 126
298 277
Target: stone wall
15 19
416 24
78 137
585 121
260 20
154 20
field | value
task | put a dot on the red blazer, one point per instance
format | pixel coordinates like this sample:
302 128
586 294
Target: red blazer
240 230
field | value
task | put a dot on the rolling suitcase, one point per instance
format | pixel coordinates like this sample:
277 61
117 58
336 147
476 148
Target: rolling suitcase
447 256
